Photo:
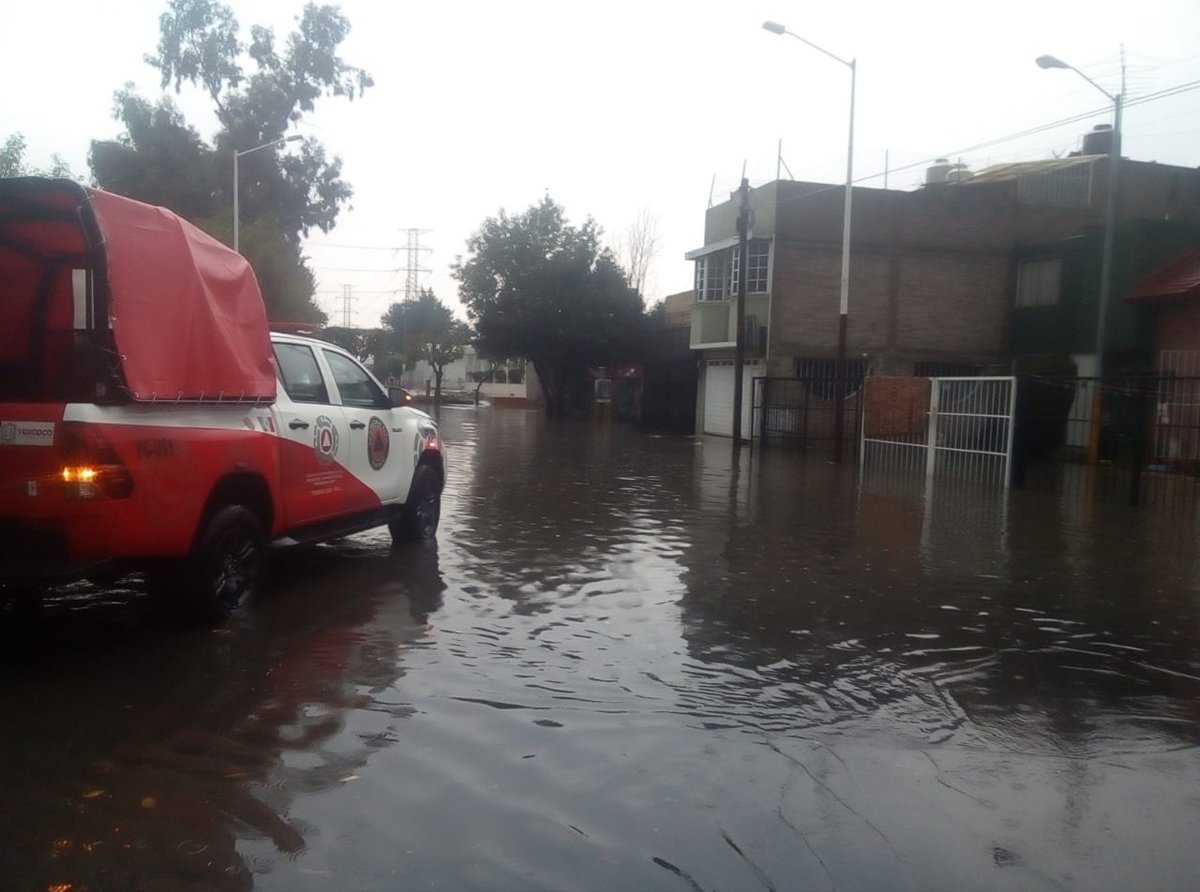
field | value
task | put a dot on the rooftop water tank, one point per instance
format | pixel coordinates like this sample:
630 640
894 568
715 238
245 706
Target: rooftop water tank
958 173
1098 141
936 172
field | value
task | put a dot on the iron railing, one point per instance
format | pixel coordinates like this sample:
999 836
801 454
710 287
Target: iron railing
1133 438
801 413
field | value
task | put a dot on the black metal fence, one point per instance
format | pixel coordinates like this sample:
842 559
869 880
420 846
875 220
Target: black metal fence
1134 439
801 413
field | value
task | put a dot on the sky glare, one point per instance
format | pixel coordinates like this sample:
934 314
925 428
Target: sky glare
615 107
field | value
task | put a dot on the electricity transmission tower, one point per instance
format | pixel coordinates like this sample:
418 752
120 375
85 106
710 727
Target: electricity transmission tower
413 269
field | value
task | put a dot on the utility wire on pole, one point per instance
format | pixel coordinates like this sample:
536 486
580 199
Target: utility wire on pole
743 227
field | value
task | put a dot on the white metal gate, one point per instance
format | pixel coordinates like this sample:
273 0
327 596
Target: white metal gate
944 427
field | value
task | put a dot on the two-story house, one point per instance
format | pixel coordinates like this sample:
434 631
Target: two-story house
948 279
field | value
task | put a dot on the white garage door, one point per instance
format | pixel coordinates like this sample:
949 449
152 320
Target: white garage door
718 398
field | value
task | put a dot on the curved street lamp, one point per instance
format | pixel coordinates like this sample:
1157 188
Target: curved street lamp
236 156
844 298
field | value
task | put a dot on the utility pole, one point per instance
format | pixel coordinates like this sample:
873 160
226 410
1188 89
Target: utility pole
743 227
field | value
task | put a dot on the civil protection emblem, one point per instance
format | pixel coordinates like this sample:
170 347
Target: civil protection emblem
378 443
325 440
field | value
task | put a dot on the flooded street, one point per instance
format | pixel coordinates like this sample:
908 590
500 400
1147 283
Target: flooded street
627 664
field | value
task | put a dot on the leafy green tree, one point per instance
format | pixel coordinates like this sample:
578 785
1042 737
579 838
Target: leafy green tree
12 161
424 328
282 196
543 290
365 343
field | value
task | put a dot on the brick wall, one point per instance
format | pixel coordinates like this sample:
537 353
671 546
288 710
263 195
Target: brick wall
931 271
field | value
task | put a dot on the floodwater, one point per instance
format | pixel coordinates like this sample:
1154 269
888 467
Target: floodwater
630 664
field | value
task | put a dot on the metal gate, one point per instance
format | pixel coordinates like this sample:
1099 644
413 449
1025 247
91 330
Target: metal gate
959 428
800 412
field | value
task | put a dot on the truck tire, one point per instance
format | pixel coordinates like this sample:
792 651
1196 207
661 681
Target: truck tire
418 519
226 569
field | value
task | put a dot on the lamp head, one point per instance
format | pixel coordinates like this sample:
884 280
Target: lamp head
774 27
293 137
1051 62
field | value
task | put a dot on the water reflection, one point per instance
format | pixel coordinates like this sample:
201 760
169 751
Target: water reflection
634 662
138 756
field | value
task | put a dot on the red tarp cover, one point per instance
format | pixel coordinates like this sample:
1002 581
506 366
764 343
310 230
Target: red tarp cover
186 313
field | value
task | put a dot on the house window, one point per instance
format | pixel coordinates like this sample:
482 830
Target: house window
821 376
717 273
756 271
1038 282
712 276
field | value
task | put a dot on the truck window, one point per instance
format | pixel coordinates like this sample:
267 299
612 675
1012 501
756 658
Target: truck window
300 373
48 349
354 383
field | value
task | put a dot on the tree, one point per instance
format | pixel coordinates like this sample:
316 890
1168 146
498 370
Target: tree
364 343
638 247
161 159
424 328
543 290
12 161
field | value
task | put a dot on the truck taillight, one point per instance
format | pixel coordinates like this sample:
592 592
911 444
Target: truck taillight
91 468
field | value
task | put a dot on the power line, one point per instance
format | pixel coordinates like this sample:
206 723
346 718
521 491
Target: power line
353 269
331 292
342 245
1074 119
1062 122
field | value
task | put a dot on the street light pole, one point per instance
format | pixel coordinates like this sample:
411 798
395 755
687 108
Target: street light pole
236 156
839 417
1110 225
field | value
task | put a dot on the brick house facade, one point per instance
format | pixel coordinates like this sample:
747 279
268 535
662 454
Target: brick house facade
934 272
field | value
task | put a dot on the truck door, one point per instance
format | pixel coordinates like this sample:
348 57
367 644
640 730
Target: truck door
373 457
314 437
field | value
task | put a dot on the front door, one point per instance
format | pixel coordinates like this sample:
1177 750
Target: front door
315 482
374 456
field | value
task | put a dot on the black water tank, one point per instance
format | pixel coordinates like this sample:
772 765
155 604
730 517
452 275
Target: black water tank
1099 140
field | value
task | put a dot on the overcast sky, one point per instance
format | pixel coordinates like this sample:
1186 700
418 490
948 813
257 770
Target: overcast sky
628 104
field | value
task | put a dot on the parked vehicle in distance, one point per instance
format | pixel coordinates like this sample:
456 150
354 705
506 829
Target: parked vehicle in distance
150 420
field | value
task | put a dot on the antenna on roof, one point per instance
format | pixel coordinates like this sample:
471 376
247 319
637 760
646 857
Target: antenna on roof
711 186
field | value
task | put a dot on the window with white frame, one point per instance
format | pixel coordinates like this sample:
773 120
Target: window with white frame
756 269
717 273
1038 282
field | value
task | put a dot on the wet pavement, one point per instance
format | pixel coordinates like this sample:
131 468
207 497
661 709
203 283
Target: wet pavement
630 664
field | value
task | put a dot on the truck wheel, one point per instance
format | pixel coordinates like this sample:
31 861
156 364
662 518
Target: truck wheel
226 568
419 517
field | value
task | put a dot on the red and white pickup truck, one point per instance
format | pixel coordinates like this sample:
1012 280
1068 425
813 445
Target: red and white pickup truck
151 421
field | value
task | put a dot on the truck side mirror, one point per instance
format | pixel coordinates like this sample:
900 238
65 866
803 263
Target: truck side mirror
399 397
